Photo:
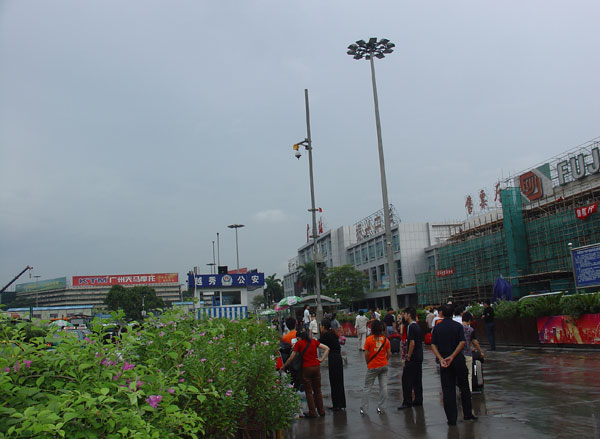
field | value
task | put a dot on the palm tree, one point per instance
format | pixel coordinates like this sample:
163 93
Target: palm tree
273 290
307 277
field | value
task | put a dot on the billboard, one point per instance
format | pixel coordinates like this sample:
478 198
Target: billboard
566 330
42 285
125 279
536 183
586 266
227 280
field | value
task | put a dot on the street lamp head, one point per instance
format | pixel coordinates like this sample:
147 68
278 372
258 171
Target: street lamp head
298 155
235 226
370 49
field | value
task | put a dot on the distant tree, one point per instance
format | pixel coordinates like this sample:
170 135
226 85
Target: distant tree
347 282
273 291
307 277
258 301
132 300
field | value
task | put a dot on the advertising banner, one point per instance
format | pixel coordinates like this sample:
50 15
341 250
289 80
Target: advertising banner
586 265
227 280
125 279
444 273
42 285
566 330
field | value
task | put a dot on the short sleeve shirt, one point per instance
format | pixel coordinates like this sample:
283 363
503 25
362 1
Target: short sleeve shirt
389 320
414 333
310 356
469 336
372 345
287 338
447 335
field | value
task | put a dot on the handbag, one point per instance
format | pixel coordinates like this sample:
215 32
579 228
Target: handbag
296 364
379 350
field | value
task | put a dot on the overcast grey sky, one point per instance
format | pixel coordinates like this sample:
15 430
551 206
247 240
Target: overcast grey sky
131 132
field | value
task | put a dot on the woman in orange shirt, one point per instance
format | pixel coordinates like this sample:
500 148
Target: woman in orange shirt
377 353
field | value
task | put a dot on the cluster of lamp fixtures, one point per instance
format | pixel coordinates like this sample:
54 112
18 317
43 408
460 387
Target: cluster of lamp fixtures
366 49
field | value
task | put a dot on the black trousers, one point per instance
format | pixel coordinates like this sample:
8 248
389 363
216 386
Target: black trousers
451 376
336 380
412 380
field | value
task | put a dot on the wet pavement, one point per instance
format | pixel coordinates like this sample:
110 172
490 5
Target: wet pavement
527 394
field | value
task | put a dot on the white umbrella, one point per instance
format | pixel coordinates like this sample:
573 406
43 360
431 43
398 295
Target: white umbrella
60 323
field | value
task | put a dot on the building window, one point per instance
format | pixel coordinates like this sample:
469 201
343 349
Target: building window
365 255
396 242
374 283
379 248
231 298
371 250
398 272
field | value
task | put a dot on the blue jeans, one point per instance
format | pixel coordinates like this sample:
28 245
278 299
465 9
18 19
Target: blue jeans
489 332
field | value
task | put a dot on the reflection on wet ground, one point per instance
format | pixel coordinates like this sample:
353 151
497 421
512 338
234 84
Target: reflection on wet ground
528 394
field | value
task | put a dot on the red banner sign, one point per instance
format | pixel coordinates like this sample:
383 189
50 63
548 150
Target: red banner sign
584 212
444 273
125 279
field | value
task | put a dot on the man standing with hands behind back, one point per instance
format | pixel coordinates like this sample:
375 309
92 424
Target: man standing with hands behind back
447 342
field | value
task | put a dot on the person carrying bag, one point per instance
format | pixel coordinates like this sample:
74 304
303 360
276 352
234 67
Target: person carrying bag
377 353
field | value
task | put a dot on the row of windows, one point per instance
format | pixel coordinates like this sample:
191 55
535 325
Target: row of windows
377 274
372 250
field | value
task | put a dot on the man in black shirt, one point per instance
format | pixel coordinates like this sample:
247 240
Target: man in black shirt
413 364
447 342
488 317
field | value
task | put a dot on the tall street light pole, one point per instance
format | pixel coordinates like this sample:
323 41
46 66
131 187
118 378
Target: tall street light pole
307 143
237 251
369 50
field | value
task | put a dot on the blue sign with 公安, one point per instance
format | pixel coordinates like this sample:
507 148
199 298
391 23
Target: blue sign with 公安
586 266
227 280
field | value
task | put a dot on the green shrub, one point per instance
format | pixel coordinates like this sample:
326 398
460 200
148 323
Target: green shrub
177 378
477 310
506 309
541 306
421 314
578 304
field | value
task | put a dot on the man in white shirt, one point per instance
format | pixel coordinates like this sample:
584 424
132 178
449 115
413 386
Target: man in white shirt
306 318
361 329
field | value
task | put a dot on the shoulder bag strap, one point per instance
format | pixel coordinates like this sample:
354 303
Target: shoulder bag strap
306 348
379 350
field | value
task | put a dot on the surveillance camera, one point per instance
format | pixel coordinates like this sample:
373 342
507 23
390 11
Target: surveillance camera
298 155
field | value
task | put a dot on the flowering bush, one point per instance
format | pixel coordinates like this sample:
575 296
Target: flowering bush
173 377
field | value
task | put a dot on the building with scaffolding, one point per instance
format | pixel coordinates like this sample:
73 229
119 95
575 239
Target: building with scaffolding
544 213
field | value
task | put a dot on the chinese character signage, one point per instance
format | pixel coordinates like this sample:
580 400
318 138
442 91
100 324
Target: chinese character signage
586 265
227 280
42 285
444 273
584 212
125 279
374 224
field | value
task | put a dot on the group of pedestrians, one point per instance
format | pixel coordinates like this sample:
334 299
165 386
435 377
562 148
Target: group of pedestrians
451 343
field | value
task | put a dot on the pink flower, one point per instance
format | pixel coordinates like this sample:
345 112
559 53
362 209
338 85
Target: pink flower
229 392
117 376
234 362
202 360
171 390
182 380
153 400
7 369
222 368
128 366
210 380
27 363
17 366
161 334
138 384
181 365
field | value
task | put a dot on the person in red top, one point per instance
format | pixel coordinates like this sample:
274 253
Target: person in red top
377 353
311 371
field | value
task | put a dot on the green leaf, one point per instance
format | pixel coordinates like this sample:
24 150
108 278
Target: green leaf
200 397
39 381
70 415
84 366
103 391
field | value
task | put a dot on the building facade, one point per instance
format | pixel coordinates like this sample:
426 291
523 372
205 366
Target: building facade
545 212
92 290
